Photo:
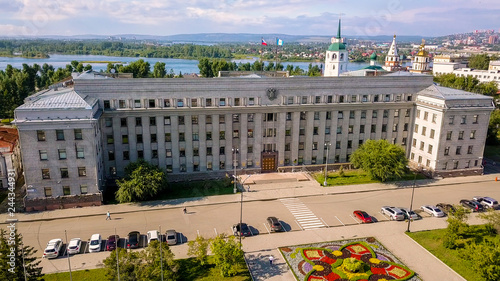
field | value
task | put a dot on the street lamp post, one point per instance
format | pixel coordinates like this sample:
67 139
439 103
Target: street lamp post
411 202
235 150
327 144
241 204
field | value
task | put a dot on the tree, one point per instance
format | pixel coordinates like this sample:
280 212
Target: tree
457 227
205 67
159 70
198 248
11 263
380 159
493 218
227 254
493 136
484 258
481 61
127 265
150 268
313 70
143 181
139 68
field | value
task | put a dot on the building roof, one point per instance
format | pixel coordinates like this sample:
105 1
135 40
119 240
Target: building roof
459 98
8 139
65 98
337 44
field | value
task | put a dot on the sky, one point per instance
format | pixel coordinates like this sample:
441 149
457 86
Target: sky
293 17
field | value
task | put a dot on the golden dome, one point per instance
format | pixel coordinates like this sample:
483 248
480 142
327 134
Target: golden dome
422 52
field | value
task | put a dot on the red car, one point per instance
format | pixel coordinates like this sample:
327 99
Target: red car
363 216
111 243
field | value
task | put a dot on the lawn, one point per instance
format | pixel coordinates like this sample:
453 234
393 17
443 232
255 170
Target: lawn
351 177
196 189
189 270
432 240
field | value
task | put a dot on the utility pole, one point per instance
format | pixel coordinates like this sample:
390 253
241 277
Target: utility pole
327 144
24 265
161 257
67 253
116 250
235 150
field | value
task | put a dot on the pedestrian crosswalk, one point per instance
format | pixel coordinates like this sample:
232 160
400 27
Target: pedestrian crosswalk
304 217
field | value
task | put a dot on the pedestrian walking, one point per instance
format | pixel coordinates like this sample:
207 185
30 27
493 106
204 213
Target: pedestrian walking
271 259
248 189
108 216
185 210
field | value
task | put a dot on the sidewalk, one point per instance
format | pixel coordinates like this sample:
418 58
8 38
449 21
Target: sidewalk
259 191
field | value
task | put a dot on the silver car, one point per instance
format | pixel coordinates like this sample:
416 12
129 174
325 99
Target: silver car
410 214
393 213
432 210
171 236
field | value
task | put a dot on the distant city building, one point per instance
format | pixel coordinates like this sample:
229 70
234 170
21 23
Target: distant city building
10 158
392 60
493 39
420 62
444 65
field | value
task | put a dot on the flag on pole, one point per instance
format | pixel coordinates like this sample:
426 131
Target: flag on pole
263 42
279 42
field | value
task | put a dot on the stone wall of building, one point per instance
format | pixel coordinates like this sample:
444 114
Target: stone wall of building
62 202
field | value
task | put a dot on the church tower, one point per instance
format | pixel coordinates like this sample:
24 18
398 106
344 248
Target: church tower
336 59
420 62
392 62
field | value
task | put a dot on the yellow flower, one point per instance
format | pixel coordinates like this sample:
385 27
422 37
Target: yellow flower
374 260
337 253
318 267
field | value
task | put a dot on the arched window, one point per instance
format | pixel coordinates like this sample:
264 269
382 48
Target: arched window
334 56
333 67
341 56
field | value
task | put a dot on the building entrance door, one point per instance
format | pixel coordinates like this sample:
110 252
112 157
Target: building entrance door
269 162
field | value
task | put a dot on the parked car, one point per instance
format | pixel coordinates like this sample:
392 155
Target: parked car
488 202
242 230
432 210
362 216
171 237
446 208
472 204
393 213
274 224
95 243
133 239
74 246
112 242
53 249
410 214
153 235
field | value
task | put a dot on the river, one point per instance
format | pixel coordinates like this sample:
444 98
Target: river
100 62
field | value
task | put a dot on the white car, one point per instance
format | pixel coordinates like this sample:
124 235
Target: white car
153 235
171 237
95 243
74 246
410 214
432 210
488 202
53 249
393 213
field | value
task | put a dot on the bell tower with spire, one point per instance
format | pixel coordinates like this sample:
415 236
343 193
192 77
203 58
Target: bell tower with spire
392 62
336 59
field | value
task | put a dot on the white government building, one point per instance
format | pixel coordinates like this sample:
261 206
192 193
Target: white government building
75 138
444 64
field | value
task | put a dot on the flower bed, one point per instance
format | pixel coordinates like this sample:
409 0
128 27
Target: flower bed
363 259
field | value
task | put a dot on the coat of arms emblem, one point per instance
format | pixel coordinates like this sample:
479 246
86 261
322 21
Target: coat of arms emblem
272 93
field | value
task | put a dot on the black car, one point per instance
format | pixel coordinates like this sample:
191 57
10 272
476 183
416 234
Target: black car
447 208
133 239
472 204
241 229
274 224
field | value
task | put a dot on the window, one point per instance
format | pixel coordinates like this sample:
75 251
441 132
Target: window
341 99
209 136
329 99
137 103
469 149
288 132
361 129
429 149
405 127
340 115
222 135
154 154
315 131
154 138
83 189
404 141
374 114
434 117
316 115
419 159
194 119
458 150
422 144
315 146
43 154
290 100
451 120
395 127
182 137
181 120
236 118
250 117
66 190
196 137
222 102
327 130
40 135
168 153
350 129
472 134
222 119
111 155
251 101
461 135
123 122
407 113
47 191
447 151
194 102
474 119
386 113
432 133
396 113
426 115
82 171
463 119
59 135
303 115
180 103
208 102
80 153
337 144
301 146
351 114
424 130
448 135
78 134
414 143
387 98
339 129
398 98
138 121
375 98
373 128
208 119
250 133
126 155
455 165
353 98
250 149
62 154
222 165
416 128
317 99
209 150
349 144
236 133
108 122
152 103
45 174
152 121
418 113
328 115
166 120
124 139
304 100
287 147
363 114
139 138
64 173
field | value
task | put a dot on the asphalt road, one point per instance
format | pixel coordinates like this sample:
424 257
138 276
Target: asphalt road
334 211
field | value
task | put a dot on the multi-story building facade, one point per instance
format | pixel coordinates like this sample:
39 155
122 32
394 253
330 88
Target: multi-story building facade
72 139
